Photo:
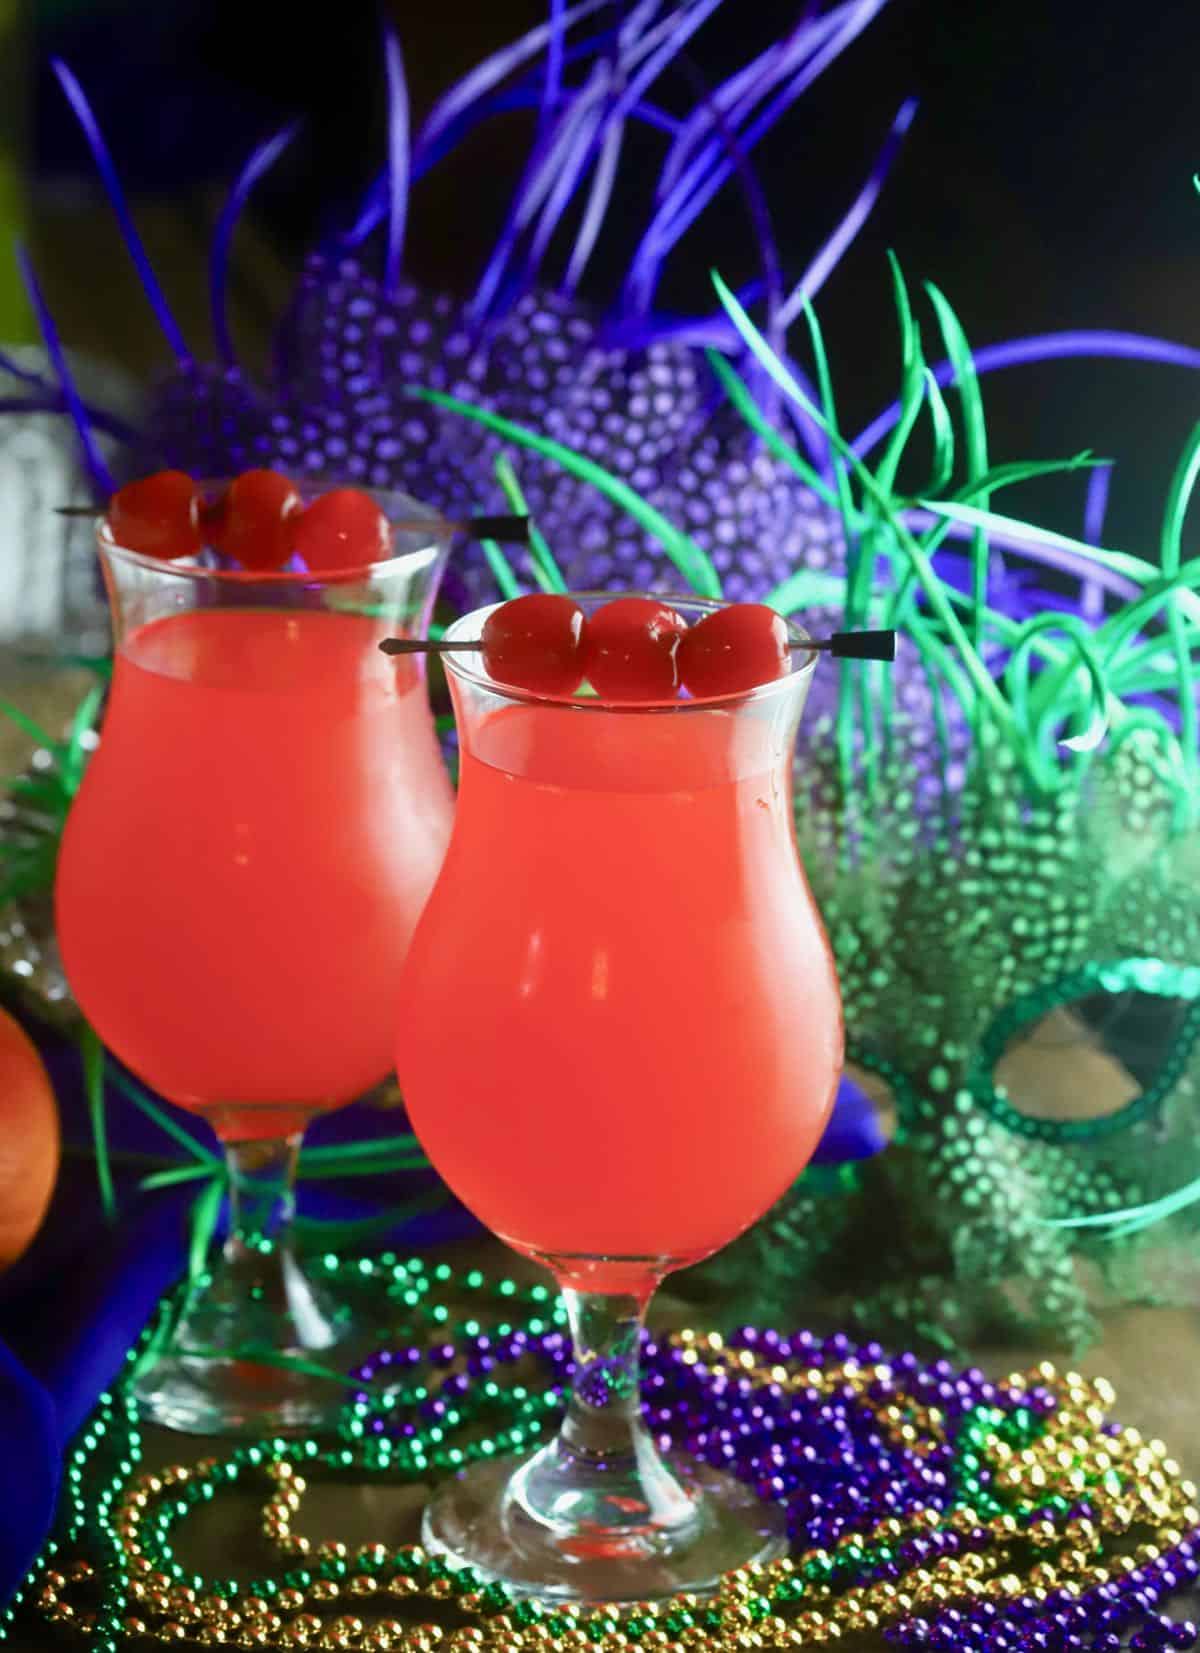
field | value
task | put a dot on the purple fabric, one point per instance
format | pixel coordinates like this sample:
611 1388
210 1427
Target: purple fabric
854 1130
30 1452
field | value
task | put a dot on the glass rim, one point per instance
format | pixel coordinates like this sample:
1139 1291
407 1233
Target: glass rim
462 667
185 569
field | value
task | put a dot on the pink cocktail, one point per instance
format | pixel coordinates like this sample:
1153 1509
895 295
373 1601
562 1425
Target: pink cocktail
239 879
620 1035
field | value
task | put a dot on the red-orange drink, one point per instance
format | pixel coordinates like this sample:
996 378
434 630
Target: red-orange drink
620 1027
253 842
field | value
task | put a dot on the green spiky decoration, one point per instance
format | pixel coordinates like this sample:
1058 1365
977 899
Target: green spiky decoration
1020 847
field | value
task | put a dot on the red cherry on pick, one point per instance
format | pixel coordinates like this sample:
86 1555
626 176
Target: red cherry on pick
629 649
253 523
342 529
158 516
733 650
534 643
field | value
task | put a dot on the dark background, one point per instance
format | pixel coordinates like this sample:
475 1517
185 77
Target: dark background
1045 184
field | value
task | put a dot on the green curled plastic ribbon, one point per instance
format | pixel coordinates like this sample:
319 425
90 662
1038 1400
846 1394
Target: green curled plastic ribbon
1146 975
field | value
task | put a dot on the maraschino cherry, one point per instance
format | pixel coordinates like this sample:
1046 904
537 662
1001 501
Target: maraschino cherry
733 650
254 521
630 647
534 643
158 516
342 529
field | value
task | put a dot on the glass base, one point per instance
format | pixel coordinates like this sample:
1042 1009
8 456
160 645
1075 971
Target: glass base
601 1551
225 1370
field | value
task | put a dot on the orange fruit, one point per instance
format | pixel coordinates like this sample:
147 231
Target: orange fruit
29 1141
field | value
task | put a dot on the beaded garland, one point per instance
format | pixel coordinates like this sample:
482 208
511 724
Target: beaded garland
926 1503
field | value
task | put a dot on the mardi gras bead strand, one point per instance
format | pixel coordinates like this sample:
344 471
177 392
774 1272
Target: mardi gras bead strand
956 1512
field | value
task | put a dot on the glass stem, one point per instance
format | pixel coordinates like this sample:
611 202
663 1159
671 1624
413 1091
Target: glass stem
602 1472
259 1284
603 1408
262 1195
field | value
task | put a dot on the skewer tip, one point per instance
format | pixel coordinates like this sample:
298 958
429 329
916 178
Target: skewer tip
863 645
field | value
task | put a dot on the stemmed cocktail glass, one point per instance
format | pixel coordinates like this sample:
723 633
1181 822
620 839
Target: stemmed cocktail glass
239 879
620 1035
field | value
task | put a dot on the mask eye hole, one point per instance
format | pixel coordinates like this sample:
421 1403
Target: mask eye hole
1091 1054
1135 1028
